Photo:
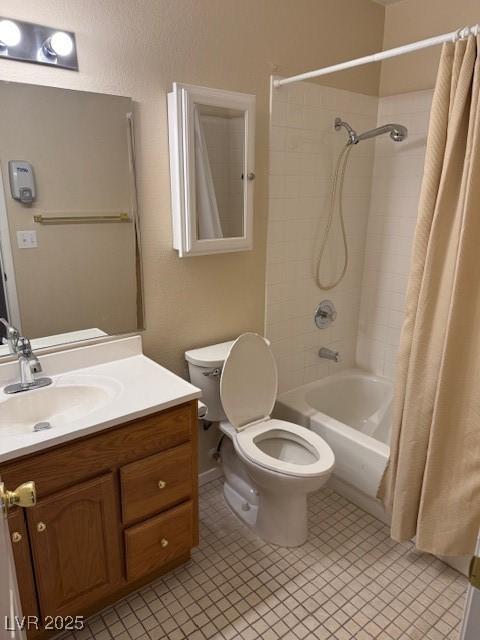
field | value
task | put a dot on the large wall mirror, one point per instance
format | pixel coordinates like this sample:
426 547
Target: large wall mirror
212 153
69 234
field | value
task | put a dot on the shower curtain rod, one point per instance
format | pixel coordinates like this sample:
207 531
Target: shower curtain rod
453 36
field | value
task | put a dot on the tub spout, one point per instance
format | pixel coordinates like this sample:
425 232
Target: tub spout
327 353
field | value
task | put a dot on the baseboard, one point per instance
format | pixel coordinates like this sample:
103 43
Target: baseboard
208 476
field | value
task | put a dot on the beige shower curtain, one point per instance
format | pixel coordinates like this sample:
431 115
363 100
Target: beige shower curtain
432 483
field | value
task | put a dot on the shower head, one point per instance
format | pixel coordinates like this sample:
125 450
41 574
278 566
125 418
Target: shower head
397 132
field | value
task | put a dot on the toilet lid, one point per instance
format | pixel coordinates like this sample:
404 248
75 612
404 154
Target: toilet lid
248 386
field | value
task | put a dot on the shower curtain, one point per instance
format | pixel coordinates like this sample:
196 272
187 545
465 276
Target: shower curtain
432 482
208 218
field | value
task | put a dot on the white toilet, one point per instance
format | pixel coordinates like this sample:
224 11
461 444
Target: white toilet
269 465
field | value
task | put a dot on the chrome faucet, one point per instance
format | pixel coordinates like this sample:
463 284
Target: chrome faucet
27 360
327 353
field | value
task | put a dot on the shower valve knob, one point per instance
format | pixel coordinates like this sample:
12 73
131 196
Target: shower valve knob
325 314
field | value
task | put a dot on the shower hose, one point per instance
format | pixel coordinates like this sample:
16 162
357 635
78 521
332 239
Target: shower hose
336 187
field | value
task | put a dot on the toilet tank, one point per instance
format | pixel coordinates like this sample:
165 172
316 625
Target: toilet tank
205 368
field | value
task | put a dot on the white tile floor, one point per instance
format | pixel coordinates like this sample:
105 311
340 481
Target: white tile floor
349 581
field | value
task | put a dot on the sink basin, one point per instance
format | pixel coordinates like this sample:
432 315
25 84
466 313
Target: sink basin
67 400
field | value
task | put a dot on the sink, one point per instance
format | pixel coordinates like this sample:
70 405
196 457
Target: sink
68 399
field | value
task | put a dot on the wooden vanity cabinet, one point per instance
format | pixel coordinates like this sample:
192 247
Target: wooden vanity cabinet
75 548
23 562
114 510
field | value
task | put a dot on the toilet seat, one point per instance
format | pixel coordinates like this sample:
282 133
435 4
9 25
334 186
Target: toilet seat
248 390
249 439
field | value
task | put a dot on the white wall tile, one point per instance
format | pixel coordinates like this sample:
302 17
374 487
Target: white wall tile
396 181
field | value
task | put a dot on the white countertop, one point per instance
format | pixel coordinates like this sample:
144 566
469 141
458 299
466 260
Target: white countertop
140 387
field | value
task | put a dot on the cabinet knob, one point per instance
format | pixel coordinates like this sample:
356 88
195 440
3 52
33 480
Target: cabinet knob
164 543
41 526
162 484
250 176
16 536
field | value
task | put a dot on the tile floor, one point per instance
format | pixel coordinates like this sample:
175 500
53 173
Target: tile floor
348 581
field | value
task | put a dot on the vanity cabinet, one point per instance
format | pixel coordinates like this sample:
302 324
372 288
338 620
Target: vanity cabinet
75 548
23 562
114 510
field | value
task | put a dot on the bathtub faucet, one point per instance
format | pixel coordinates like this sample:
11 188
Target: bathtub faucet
327 353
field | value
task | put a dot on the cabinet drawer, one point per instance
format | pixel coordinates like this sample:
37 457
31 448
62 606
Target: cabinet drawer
156 483
158 541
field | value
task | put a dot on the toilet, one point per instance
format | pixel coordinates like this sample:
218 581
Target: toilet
269 465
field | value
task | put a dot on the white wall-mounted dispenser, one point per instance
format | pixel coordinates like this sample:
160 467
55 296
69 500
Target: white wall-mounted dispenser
22 181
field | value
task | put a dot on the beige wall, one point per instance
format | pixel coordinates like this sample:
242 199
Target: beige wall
138 48
80 276
412 20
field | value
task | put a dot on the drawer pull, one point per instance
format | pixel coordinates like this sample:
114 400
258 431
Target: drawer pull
41 526
16 537
164 543
162 484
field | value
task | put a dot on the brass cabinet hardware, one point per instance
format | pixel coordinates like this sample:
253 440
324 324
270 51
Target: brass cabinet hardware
164 542
162 484
16 537
474 572
24 495
41 526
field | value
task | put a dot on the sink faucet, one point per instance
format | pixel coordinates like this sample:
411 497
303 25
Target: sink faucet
327 353
27 360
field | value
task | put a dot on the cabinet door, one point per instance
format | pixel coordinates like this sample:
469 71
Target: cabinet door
75 544
23 562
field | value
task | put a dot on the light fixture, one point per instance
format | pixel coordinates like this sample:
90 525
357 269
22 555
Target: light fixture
10 34
59 44
28 42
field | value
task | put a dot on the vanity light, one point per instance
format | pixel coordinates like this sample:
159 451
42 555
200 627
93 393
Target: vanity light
10 34
60 44
28 42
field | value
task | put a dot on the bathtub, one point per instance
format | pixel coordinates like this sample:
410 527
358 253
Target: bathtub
351 410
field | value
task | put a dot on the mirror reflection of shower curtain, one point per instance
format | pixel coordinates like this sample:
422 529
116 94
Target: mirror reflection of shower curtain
208 217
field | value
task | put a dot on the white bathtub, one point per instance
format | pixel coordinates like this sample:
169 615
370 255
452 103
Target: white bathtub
351 410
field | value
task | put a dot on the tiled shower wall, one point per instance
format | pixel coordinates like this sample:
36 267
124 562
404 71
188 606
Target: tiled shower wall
396 183
303 150
380 204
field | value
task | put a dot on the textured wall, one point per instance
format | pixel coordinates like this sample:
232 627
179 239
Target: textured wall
411 20
138 48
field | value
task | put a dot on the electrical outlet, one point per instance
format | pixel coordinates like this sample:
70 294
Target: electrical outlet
27 239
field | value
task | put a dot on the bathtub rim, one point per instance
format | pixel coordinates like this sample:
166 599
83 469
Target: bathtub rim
295 400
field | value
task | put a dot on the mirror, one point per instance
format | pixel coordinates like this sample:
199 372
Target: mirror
69 235
211 134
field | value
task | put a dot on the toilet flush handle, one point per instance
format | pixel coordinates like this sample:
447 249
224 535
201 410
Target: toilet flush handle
215 372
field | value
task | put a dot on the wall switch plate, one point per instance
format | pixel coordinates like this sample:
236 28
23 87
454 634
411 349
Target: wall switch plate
27 239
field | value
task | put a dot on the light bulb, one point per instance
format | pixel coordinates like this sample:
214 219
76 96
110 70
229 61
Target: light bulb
10 34
60 44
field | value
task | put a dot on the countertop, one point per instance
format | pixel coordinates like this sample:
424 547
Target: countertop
138 387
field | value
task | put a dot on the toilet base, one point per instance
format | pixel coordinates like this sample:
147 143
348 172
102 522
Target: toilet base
246 511
282 522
